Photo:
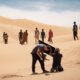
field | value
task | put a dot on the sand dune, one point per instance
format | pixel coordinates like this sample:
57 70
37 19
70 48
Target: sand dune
15 59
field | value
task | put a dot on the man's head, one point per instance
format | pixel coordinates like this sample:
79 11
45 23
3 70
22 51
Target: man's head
36 28
21 30
57 50
74 22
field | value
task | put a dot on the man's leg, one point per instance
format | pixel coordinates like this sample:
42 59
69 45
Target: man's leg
43 39
34 59
42 65
77 36
74 37
5 41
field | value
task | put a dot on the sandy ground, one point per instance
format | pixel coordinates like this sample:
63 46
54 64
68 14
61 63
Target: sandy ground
16 60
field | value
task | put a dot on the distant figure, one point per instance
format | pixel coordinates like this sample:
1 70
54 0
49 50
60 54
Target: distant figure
20 36
75 31
36 35
25 37
50 36
37 54
5 38
56 66
43 35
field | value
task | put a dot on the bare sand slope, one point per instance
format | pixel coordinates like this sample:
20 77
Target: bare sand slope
15 59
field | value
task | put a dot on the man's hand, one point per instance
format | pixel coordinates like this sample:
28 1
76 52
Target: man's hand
38 53
41 58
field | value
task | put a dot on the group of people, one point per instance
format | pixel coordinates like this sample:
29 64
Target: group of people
38 54
43 35
23 37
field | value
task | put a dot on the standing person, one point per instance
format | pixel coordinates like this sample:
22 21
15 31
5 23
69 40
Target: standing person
75 31
56 61
37 54
50 36
20 36
36 35
43 35
5 37
25 37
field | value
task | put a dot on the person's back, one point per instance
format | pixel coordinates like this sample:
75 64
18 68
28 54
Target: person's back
39 46
6 36
75 31
75 28
50 34
43 34
26 34
57 59
20 34
36 33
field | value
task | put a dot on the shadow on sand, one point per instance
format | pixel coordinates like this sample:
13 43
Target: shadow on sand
10 76
47 74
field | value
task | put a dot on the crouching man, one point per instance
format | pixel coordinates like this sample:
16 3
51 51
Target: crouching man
56 66
37 54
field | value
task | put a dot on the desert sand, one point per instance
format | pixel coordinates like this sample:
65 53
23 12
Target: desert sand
16 60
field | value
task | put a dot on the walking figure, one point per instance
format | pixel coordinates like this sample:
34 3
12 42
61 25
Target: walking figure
20 36
5 38
75 31
36 35
43 35
50 36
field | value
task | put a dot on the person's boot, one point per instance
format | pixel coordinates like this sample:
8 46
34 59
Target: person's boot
35 73
45 71
52 70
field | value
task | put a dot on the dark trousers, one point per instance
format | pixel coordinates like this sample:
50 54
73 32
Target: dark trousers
6 41
43 39
75 35
34 59
20 39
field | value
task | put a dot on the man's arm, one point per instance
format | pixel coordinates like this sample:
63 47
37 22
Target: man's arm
38 53
50 51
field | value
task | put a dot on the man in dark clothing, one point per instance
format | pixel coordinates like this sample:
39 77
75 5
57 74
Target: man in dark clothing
37 54
56 61
43 35
20 36
75 30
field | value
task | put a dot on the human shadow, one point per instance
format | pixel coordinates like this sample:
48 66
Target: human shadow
11 76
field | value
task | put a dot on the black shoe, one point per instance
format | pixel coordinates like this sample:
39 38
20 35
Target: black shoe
35 73
52 70
45 71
